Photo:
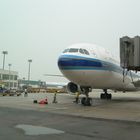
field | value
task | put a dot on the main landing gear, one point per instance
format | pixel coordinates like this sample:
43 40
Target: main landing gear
86 101
105 95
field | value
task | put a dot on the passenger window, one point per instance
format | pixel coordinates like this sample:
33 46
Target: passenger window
86 52
81 51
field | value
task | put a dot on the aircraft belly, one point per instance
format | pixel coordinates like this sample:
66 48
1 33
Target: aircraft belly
97 79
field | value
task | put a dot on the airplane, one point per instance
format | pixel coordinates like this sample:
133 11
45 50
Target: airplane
56 84
89 66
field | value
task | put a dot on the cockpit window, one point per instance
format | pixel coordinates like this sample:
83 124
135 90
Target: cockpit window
73 50
81 51
66 50
86 52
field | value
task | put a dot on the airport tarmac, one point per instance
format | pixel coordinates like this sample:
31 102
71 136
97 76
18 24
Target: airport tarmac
123 106
37 125
104 120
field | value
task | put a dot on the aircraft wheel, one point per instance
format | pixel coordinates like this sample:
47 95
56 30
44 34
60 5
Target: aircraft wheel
89 101
106 96
109 96
86 102
102 96
83 100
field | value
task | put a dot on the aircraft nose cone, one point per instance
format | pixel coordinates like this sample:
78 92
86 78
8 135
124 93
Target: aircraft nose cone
60 62
64 62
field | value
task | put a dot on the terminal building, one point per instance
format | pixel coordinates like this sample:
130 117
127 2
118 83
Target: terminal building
9 79
34 84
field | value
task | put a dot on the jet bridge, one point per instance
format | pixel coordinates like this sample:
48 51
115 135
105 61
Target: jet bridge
130 53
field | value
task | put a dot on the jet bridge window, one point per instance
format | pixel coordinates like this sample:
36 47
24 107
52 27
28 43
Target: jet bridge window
73 50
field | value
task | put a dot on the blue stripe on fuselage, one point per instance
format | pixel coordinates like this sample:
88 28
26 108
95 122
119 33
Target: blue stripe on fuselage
74 62
79 62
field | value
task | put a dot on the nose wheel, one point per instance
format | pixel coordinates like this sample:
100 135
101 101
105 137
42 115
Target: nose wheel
86 101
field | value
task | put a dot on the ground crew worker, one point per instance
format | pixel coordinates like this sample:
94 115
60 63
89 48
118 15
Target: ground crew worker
77 97
54 98
25 93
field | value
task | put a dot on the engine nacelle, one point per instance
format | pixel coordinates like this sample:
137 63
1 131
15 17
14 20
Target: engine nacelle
72 87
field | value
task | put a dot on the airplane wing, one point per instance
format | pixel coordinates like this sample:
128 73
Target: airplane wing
53 75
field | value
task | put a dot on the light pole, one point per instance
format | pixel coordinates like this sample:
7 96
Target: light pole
9 74
30 60
4 53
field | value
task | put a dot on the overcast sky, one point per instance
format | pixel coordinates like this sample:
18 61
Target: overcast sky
41 29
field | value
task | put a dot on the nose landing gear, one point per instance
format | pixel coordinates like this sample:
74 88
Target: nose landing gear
86 101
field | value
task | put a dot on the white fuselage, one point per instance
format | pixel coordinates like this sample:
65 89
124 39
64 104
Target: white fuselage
92 66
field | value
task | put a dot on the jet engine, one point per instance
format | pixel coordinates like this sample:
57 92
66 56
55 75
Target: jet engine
72 87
